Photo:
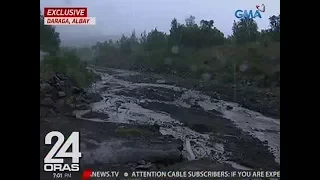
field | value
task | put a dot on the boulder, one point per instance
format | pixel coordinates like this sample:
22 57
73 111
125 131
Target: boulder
45 88
61 94
47 101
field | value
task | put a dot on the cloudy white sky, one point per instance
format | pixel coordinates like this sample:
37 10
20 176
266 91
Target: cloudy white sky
115 17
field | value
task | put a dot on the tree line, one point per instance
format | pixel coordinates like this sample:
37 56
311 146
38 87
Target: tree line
189 34
187 45
193 35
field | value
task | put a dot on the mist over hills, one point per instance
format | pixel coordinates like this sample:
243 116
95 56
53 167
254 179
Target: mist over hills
87 41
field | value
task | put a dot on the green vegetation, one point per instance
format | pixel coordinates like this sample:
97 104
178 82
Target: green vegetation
189 50
69 64
61 60
49 38
193 50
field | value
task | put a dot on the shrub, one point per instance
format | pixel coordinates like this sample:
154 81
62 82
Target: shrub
69 64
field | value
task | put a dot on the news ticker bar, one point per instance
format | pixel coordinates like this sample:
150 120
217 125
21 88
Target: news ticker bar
89 174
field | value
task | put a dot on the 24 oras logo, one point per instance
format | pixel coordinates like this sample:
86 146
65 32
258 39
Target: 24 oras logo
54 160
250 14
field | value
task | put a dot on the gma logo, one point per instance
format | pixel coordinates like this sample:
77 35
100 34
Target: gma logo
241 14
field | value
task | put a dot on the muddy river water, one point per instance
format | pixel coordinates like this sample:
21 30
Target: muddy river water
209 128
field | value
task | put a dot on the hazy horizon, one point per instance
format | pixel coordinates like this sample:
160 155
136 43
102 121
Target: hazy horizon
117 17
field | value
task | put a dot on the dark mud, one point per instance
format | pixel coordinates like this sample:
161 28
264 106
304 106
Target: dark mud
93 114
113 146
265 101
151 126
240 146
243 148
105 70
154 93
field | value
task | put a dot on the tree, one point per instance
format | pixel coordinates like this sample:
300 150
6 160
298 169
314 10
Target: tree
245 30
143 38
156 40
125 44
195 36
191 21
275 23
133 38
210 35
275 27
175 33
49 38
273 33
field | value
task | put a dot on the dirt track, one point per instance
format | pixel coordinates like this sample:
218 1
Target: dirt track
156 126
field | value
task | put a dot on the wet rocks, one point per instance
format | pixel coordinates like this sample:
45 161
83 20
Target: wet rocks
124 151
61 95
229 107
144 166
97 77
47 101
45 88
45 112
200 165
76 90
93 97
142 162
61 105
196 106
82 106
97 115
154 93
161 81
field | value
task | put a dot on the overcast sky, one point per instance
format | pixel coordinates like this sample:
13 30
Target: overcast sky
115 17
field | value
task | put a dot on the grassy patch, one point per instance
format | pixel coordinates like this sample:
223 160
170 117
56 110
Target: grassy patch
69 64
218 61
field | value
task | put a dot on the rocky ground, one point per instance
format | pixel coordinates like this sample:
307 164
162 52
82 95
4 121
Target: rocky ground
249 94
125 125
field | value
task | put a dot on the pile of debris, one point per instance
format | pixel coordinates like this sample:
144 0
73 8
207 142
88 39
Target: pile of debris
59 95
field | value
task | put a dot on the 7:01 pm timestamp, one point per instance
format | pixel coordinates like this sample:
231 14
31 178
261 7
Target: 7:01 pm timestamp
61 175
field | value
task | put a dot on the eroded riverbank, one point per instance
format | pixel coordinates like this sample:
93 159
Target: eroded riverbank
145 126
208 128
